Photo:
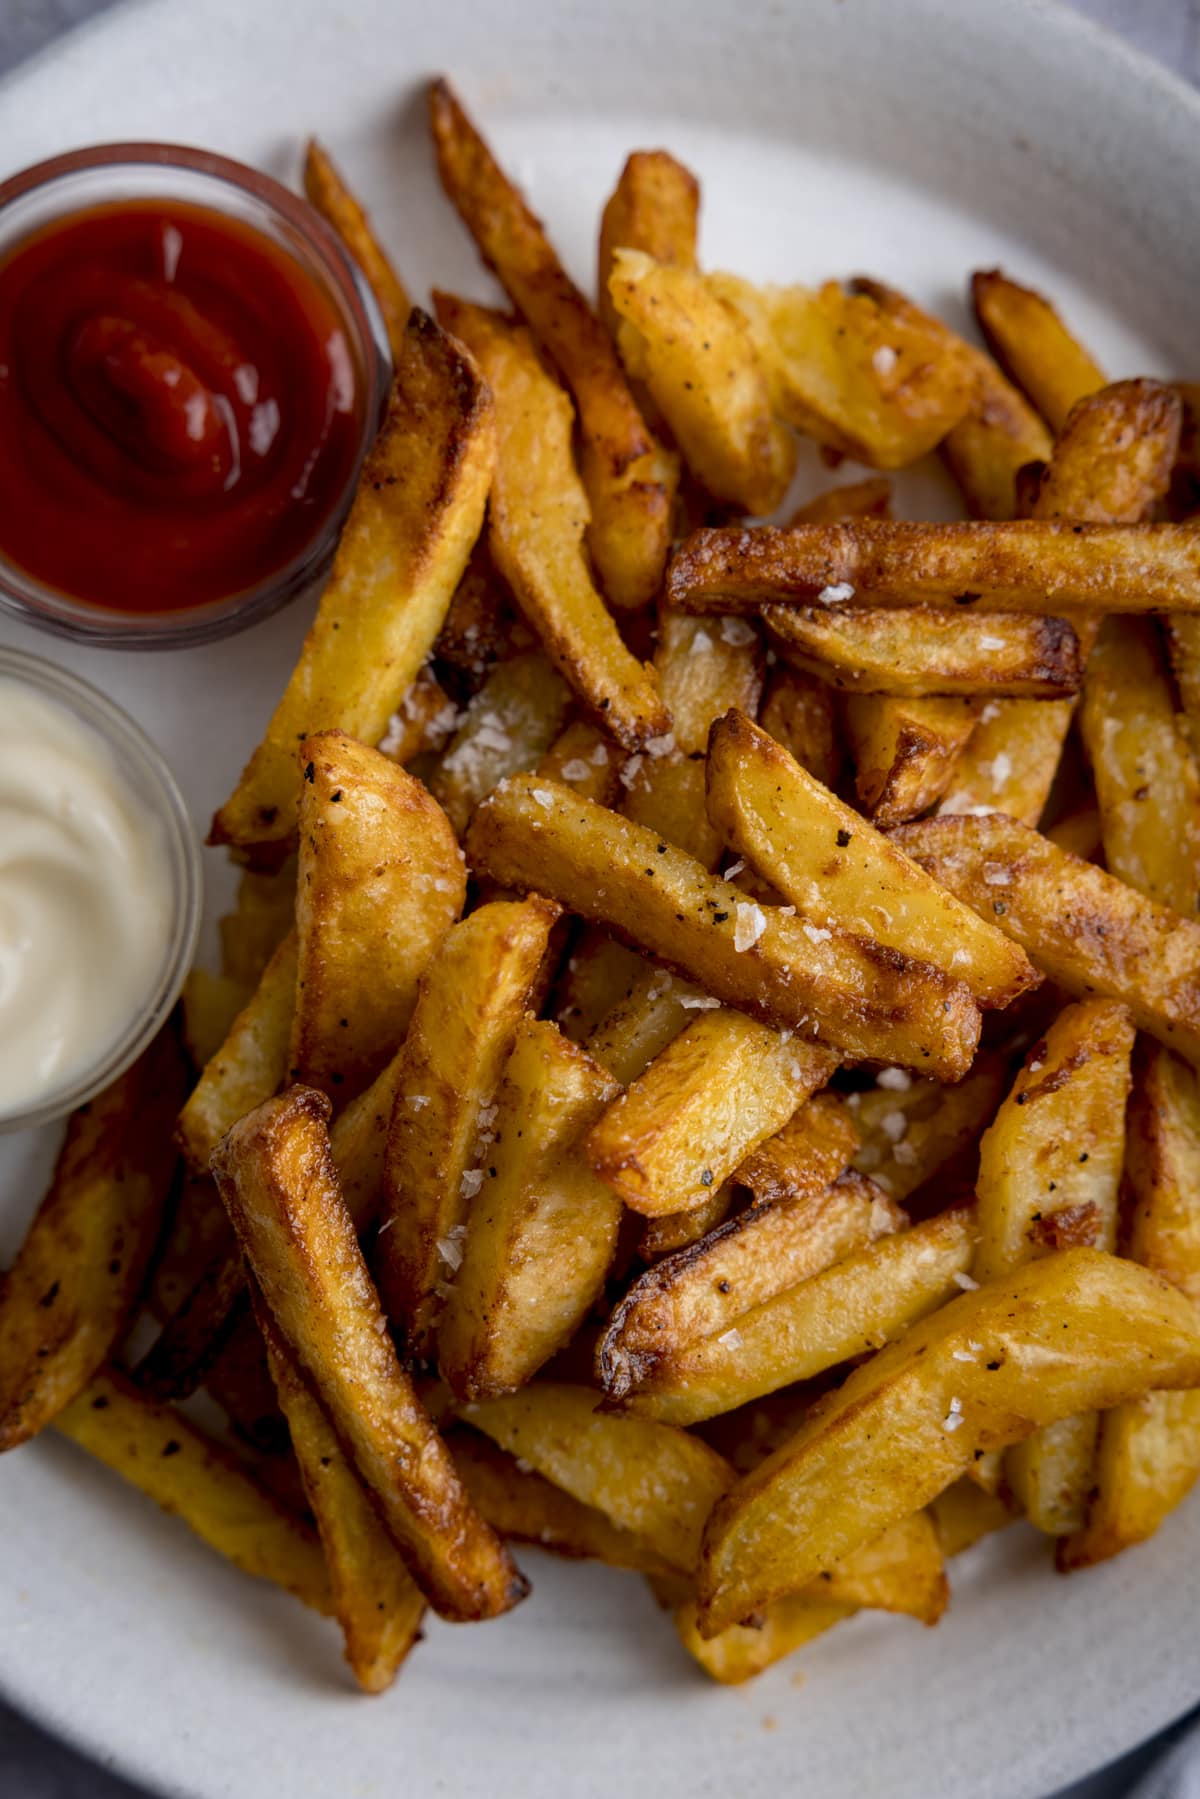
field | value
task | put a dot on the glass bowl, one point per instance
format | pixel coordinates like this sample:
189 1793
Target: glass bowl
153 786
107 174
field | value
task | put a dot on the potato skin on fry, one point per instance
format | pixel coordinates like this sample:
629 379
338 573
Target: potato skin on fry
70 1294
1030 342
250 1063
279 1184
326 189
926 652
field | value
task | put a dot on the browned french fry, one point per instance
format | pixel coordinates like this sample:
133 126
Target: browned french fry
1084 928
70 1293
250 1063
618 874
913 1129
469 1005
580 758
905 752
375 1600
1030 342
654 207
482 625
508 726
678 1230
919 653
280 1187
715 1093
816 1146
630 480
697 1294
798 712
326 189
1009 761
422 721
871 498
418 509
1073 1332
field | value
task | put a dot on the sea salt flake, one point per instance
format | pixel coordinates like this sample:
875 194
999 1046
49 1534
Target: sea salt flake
576 769
884 360
599 756
661 746
893 1125
701 644
991 711
471 1182
996 875
961 1355
836 593
631 771
991 643
880 1219
966 1282
1001 769
817 933
749 924
954 1417
451 1253
543 797
735 868
1034 1066
894 1080
732 1339
386 1225
737 632
697 1002
905 1155
416 1100
786 911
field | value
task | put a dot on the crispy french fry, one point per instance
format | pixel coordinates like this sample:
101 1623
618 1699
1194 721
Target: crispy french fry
798 712
1009 761
162 1453
920 653
250 1063
537 518
211 1002
542 1229
1033 346
678 1230
418 509
381 880
845 1310
1122 446
835 869
600 977
912 1132
1020 565
70 1293
482 625
279 1184
580 758
375 1600
816 1145
508 726
964 1514
741 1651
326 189
698 1293
648 1478
1148 1457
1073 1332
655 208
469 1005
1084 928
630 480
905 752
650 1012
422 721
863 376
705 376
618 874
1146 774
716 1092
263 914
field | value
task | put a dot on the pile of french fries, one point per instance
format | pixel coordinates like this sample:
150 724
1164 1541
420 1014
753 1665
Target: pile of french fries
703 1071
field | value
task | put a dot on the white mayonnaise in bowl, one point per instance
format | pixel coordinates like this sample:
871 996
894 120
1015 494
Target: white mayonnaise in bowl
100 891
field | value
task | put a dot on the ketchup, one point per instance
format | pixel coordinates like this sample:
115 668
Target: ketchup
180 406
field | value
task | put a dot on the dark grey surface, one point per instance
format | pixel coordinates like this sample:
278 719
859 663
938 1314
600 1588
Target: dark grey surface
32 1765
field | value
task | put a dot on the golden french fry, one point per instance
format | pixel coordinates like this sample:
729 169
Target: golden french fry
600 977
698 1293
964 1514
580 758
541 1229
871 498
1073 1332
630 480
798 712
263 914
905 752
469 1005
845 1310
70 1293
650 1479
1033 346
1115 455
618 874
326 189
162 1453
537 517
210 1003
1084 928
279 1184
921 653
678 1230
817 1144
912 1130
655 208
417 512
649 1012
482 625
508 726
422 721
741 1651
250 1063
1009 761
381 880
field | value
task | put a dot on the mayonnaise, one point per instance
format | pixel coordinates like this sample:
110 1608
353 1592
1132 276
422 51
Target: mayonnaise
85 898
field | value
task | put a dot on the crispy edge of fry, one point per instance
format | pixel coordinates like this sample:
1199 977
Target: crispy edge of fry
679 1230
815 1147
326 189
508 726
906 751
919 653
799 713
654 207
1033 346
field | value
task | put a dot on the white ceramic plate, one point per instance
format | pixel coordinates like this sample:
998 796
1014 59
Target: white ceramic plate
916 141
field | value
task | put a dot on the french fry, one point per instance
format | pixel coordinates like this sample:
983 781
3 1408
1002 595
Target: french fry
326 189
1079 833
618 874
648 1478
655 208
1183 643
210 1002
375 1600
381 880
1009 761
1083 928
741 1651
698 1293
816 1145
162 1453
677 1230
1074 1332
537 519
424 719
418 509
798 712
964 1514
580 758
249 1065
845 1310
1148 1456
1145 770
280 1187
863 376
1120 445
469 1005
542 1230
630 480
70 1293
704 373
871 498
263 914
921 653
912 1132
482 625
716 1092
905 752
508 726
837 870
600 978
1033 346
1020 565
